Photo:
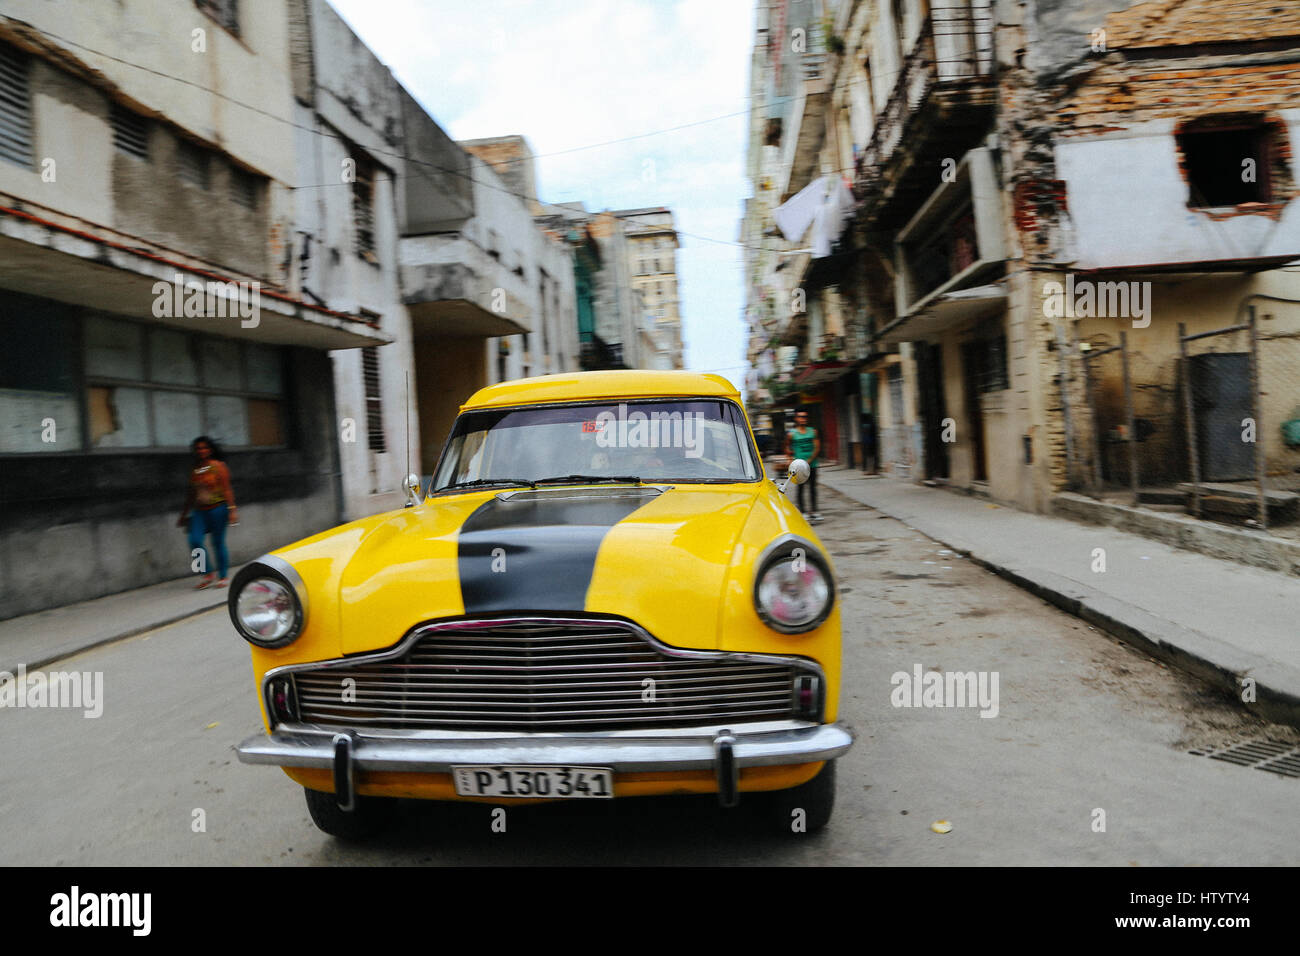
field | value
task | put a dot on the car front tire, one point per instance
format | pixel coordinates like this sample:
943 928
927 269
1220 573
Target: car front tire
357 824
805 808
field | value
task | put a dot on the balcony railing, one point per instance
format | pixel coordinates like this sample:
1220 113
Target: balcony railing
954 49
830 347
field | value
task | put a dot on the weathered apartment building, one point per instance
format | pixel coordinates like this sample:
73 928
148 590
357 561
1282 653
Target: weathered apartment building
230 219
652 256
147 181
627 316
611 310
804 349
429 241
1029 181
508 290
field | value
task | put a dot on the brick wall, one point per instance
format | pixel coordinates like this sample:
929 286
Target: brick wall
1121 94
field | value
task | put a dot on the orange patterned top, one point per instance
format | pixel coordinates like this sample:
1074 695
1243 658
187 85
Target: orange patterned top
211 483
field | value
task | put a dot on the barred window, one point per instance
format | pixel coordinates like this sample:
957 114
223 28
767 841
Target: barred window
130 132
363 207
225 12
988 363
15 107
374 398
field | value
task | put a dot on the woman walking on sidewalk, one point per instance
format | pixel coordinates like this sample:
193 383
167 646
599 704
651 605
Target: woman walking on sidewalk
802 442
213 503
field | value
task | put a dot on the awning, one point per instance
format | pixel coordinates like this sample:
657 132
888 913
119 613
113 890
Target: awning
820 373
945 311
54 260
1189 270
452 318
879 361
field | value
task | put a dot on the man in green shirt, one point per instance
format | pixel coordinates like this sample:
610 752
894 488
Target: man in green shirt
803 442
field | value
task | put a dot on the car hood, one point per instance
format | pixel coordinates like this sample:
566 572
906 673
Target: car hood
656 555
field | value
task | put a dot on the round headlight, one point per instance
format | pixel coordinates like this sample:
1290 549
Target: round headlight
265 606
794 592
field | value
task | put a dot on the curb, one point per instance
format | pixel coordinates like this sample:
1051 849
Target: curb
1248 547
1194 652
40 662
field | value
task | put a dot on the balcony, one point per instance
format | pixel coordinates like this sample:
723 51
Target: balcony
435 188
54 255
452 287
941 106
949 256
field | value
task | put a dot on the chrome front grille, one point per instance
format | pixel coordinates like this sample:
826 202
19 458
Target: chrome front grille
551 676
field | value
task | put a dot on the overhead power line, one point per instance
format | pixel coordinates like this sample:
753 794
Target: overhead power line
404 157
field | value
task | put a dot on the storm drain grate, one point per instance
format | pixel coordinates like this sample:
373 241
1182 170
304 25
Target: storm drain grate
1271 755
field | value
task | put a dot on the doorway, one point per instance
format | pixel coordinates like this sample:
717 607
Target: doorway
929 372
972 360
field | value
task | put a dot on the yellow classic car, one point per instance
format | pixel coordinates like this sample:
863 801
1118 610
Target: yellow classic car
600 595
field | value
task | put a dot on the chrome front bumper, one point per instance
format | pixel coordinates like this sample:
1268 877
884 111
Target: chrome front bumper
723 750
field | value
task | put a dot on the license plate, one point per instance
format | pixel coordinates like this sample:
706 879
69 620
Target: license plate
535 783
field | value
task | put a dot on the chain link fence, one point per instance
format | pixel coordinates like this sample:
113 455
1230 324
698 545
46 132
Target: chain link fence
1105 438
1279 387
1210 426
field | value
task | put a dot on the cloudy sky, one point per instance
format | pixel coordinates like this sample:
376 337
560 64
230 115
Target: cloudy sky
571 75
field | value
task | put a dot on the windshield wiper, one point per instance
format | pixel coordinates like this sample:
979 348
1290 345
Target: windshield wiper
559 479
478 482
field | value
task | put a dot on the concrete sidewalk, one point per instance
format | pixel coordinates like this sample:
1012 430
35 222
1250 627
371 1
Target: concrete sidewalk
1217 619
37 639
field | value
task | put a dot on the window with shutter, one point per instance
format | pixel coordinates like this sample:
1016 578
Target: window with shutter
15 107
130 132
374 398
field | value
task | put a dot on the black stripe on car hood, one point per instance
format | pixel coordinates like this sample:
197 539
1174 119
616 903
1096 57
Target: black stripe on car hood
535 551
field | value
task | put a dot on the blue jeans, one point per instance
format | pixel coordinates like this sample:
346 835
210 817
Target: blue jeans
211 522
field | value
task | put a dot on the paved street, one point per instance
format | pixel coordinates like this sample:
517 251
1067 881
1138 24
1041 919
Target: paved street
1083 723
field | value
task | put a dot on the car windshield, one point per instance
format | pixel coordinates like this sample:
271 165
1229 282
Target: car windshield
689 440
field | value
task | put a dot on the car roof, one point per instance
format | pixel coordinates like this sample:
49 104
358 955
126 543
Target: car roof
613 383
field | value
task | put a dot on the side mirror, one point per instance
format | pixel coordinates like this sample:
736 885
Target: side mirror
412 488
796 474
